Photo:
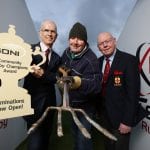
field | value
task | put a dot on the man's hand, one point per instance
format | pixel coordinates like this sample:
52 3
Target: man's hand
124 129
37 72
63 71
74 82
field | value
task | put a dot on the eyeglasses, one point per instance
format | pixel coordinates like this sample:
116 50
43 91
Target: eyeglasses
106 42
46 31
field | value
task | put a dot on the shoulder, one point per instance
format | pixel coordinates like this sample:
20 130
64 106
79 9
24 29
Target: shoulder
66 54
66 51
90 59
125 55
101 58
126 59
90 54
55 53
55 56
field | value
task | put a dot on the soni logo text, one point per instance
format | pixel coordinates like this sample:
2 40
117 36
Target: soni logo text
9 52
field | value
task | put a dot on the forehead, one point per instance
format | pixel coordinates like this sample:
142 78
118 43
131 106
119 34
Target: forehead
48 25
104 36
76 38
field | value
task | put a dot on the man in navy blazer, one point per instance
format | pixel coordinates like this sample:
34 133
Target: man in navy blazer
122 88
41 86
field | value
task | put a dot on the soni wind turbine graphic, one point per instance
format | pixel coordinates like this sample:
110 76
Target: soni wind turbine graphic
135 39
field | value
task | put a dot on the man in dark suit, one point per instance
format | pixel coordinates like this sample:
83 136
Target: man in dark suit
40 85
120 92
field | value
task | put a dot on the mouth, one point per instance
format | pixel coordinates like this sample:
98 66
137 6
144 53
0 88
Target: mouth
106 50
50 39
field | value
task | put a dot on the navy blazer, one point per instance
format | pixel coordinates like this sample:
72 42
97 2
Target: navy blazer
122 89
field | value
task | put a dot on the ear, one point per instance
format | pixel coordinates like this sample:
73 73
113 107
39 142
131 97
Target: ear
56 35
40 33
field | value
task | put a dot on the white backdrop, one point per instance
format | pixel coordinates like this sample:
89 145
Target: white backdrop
136 32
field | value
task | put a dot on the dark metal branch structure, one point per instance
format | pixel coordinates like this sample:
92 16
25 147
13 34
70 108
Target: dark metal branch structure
65 107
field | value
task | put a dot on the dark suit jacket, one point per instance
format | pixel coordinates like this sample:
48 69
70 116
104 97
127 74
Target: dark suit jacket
42 90
122 89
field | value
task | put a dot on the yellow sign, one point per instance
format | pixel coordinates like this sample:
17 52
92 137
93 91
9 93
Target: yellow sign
15 63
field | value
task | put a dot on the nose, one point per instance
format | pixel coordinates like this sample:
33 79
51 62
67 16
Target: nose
105 44
75 39
49 32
